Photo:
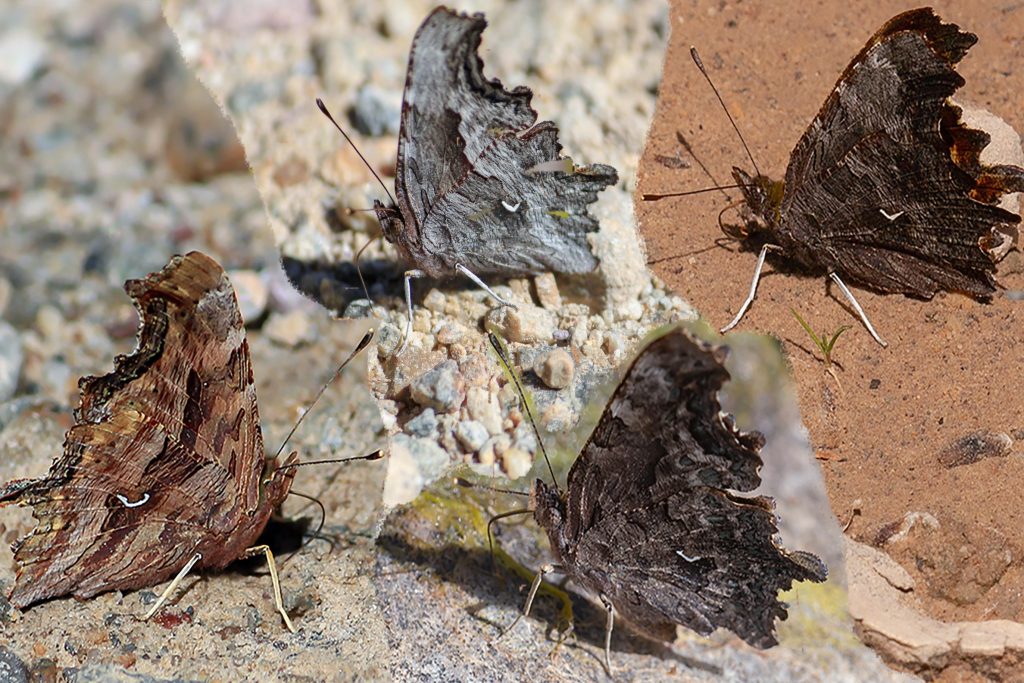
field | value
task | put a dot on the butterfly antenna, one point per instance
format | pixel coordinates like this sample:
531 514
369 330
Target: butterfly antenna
466 484
323 109
700 65
653 197
363 343
526 404
376 455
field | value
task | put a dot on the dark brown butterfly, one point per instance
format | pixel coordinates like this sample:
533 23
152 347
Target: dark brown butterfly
654 521
164 468
482 187
886 188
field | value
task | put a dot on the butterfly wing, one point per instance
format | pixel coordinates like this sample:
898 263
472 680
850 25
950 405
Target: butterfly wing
165 456
885 186
651 521
475 172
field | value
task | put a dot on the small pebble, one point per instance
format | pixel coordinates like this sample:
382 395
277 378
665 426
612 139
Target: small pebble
547 291
388 339
290 329
424 424
376 112
434 301
471 434
450 333
517 463
555 368
484 408
12 669
252 294
441 388
525 325
11 359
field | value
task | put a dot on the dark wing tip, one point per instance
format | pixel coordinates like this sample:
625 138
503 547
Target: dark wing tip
946 40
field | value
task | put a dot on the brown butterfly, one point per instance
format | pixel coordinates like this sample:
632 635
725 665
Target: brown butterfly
654 519
886 188
164 469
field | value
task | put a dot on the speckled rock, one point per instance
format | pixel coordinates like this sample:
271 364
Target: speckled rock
555 368
471 434
12 669
524 324
442 388
11 359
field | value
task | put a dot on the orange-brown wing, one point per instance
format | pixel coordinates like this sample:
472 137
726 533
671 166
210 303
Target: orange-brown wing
165 455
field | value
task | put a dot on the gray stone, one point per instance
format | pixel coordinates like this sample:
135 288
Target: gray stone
442 388
376 112
12 669
471 434
555 368
11 359
524 437
424 424
360 308
413 463
388 339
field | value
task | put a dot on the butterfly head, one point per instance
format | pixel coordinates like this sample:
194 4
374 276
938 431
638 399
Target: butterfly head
763 197
548 506
391 222
277 478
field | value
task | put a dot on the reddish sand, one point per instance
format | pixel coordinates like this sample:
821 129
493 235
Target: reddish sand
953 366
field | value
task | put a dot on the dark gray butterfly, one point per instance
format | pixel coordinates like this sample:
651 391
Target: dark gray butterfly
885 188
653 520
482 187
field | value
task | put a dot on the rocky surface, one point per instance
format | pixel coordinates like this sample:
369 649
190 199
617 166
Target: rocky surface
114 158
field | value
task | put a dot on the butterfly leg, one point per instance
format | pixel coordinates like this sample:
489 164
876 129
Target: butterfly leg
608 634
174 584
856 306
278 598
753 290
546 569
480 283
409 275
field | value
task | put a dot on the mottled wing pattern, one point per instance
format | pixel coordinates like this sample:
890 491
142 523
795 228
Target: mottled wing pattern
467 176
165 456
885 186
650 513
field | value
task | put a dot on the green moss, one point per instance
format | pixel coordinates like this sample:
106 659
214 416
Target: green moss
818 617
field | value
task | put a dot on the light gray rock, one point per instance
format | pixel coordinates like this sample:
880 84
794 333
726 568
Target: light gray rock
471 434
424 424
11 359
376 112
442 388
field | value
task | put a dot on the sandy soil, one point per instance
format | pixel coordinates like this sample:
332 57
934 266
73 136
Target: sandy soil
952 368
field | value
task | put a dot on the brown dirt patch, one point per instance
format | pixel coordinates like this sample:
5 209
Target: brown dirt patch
953 366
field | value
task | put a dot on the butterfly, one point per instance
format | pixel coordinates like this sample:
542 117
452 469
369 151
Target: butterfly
654 520
886 188
482 188
164 468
